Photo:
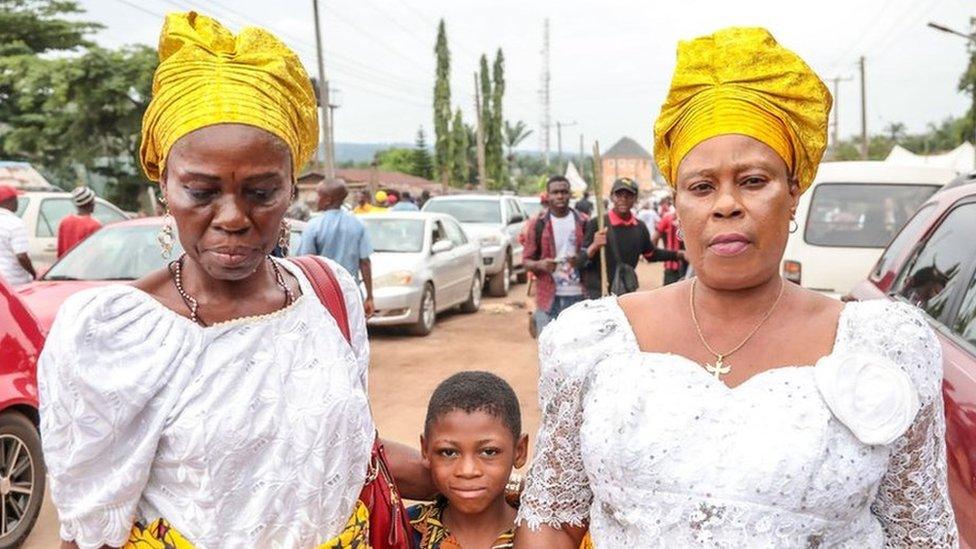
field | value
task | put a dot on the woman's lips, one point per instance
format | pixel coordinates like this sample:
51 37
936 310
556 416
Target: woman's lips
728 245
232 257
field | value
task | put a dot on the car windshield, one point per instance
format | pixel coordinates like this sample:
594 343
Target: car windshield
531 208
859 215
395 235
467 211
113 253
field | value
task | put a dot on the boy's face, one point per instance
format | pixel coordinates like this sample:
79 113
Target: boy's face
471 457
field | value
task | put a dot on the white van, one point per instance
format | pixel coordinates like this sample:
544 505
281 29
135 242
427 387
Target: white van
848 216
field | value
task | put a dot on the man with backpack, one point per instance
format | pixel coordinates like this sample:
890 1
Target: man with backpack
553 247
626 238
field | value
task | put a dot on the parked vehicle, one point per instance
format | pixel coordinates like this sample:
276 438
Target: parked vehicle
22 472
849 215
932 264
531 204
423 263
43 211
495 221
119 253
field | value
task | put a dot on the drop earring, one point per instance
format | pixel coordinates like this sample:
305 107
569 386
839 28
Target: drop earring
167 236
284 237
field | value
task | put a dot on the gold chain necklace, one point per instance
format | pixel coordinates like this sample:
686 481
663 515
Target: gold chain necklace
720 368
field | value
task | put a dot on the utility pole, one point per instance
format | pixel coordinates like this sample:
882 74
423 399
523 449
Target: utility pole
559 136
864 115
835 133
971 37
544 93
582 160
479 134
325 113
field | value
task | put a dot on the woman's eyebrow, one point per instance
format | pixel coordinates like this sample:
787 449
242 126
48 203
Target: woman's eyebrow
261 177
209 178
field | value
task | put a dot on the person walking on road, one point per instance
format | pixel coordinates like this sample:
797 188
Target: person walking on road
628 240
584 206
649 216
552 249
75 228
15 265
339 236
668 230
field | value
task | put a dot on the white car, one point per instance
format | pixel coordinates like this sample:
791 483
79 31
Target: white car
495 221
848 216
43 211
423 263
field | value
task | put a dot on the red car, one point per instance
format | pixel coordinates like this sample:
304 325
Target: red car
117 254
21 463
932 264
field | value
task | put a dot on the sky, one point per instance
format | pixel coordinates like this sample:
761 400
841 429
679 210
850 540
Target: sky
610 62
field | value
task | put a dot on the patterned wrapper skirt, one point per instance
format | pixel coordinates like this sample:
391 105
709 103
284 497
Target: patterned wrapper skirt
160 535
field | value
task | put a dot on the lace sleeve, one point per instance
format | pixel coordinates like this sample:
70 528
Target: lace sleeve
913 502
557 490
106 380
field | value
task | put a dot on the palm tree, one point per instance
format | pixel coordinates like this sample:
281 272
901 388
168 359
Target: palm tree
896 131
514 135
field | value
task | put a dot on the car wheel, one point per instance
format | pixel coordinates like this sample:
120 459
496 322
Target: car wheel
474 297
21 478
499 284
427 315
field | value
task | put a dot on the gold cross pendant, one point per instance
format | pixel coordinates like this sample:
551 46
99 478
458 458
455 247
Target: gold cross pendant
718 369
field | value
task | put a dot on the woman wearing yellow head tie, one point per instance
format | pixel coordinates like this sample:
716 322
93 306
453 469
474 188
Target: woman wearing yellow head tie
735 409
215 403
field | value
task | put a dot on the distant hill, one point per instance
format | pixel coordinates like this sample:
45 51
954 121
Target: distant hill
363 152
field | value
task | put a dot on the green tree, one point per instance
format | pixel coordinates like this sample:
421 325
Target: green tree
39 26
75 114
486 118
460 151
442 106
513 137
395 159
494 153
422 165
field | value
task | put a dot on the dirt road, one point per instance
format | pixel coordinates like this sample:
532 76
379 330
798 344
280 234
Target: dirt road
406 369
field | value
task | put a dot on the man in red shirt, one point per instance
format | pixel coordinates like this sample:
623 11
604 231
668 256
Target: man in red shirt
75 228
667 229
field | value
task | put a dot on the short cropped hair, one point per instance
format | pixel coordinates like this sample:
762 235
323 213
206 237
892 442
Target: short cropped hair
556 179
476 392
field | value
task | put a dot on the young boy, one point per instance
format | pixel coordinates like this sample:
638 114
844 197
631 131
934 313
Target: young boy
472 440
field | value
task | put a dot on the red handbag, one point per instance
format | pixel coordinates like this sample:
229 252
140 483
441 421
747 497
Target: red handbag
389 525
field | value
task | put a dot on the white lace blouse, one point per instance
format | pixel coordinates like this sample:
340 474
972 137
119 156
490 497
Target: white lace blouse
250 433
652 451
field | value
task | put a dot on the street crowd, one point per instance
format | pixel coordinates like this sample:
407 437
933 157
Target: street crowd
222 401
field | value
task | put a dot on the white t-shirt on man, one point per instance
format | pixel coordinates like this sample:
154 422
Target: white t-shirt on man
13 242
567 278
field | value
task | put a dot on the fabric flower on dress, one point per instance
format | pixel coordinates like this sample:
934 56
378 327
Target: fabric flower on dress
869 394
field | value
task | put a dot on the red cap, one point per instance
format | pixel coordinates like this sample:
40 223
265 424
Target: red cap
7 192
391 199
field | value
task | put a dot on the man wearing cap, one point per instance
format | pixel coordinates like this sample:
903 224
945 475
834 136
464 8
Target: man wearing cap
75 228
628 238
15 264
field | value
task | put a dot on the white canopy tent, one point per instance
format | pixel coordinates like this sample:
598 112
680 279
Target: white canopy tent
576 181
961 159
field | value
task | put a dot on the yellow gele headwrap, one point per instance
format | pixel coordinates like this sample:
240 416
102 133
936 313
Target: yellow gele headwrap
741 81
208 76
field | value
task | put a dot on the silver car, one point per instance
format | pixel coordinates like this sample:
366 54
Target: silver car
423 263
495 221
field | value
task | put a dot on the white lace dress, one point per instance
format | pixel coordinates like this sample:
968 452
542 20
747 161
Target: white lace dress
651 451
251 433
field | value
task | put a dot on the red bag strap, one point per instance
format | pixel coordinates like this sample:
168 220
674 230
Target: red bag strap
327 288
